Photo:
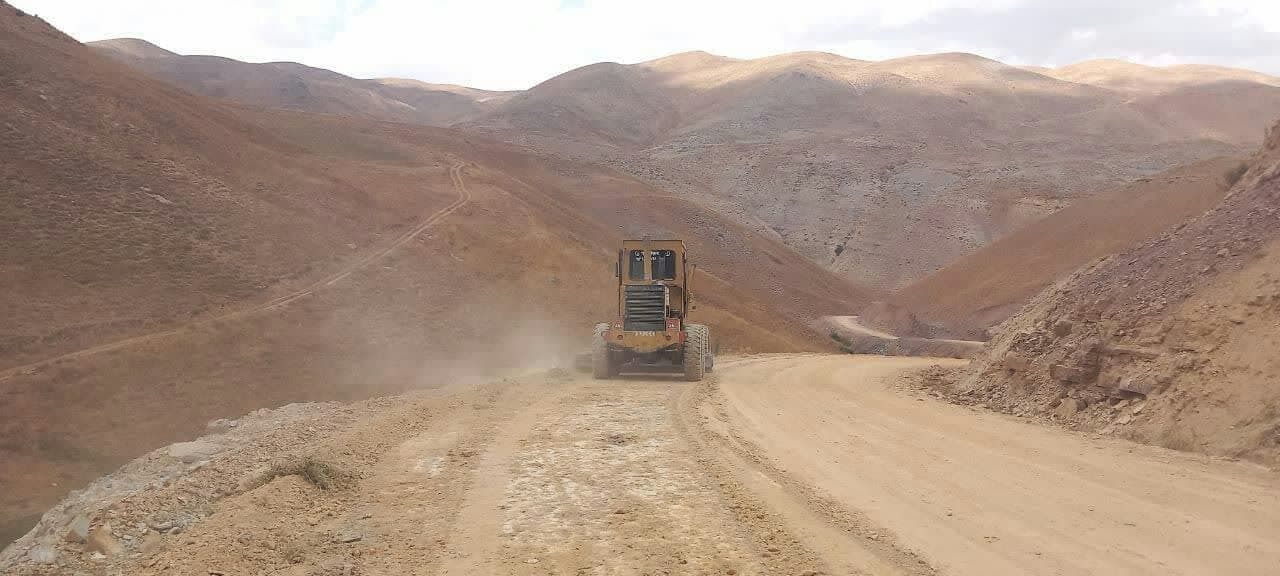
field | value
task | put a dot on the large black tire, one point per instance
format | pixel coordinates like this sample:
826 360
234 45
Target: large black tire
696 349
602 365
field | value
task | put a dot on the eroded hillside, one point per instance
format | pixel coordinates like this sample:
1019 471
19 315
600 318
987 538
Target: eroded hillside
988 286
298 87
882 171
170 259
1172 342
857 165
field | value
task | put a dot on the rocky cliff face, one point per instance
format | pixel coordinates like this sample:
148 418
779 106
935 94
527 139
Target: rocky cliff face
1170 343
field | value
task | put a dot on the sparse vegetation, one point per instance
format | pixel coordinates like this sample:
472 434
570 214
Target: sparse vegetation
1235 174
1178 439
845 344
320 473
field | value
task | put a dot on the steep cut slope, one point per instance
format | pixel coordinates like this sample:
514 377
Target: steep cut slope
169 259
986 287
1172 342
298 87
881 171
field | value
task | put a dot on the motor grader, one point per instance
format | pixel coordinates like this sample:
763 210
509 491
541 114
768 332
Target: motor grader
651 329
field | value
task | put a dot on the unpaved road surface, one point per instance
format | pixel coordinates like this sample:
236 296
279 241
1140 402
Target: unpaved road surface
972 492
779 464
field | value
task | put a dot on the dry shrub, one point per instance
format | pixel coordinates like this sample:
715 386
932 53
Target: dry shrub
320 473
1180 440
1235 174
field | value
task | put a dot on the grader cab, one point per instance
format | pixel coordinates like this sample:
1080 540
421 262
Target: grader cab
651 329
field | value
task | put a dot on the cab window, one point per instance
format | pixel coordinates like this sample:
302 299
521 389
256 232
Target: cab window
664 264
636 266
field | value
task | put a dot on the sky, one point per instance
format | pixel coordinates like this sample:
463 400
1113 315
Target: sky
517 43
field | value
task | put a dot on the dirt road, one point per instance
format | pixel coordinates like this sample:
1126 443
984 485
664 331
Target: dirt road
973 492
780 464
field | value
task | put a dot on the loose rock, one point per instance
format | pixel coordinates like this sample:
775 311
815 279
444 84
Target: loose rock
190 452
78 529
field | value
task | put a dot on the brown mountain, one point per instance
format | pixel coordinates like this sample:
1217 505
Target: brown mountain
170 258
1170 342
984 288
881 171
297 87
884 171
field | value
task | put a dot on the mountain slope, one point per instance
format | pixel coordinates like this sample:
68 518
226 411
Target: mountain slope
170 259
854 164
1137 78
987 286
1171 342
881 171
298 87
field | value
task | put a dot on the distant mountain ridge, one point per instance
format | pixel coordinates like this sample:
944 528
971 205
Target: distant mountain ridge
296 86
886 171
882 171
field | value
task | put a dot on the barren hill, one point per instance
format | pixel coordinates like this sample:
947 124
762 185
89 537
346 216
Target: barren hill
948 150
986 287
855 164
171 258
881 171
1171 342
298 87
1137 78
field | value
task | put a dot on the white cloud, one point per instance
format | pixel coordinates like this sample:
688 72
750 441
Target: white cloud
1083 35
514 44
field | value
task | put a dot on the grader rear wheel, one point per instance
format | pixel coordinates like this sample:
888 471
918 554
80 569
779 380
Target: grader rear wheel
696 349
602 364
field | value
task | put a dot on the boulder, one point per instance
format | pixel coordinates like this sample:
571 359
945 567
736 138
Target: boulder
1062 327
1016 362
43 554
189 452
1135 351
1071 374
78 529
102 541
150 543
1067 408
1137 385
221 426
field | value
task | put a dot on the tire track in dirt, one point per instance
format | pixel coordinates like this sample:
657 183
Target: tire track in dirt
473 545
803 530
974 492
598 481
415 472
418 501
464 197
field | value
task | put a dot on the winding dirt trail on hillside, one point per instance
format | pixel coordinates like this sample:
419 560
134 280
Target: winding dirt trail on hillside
778 464
464 197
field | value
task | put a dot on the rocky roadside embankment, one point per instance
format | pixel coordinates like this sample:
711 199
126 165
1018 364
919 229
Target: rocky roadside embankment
1171 343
